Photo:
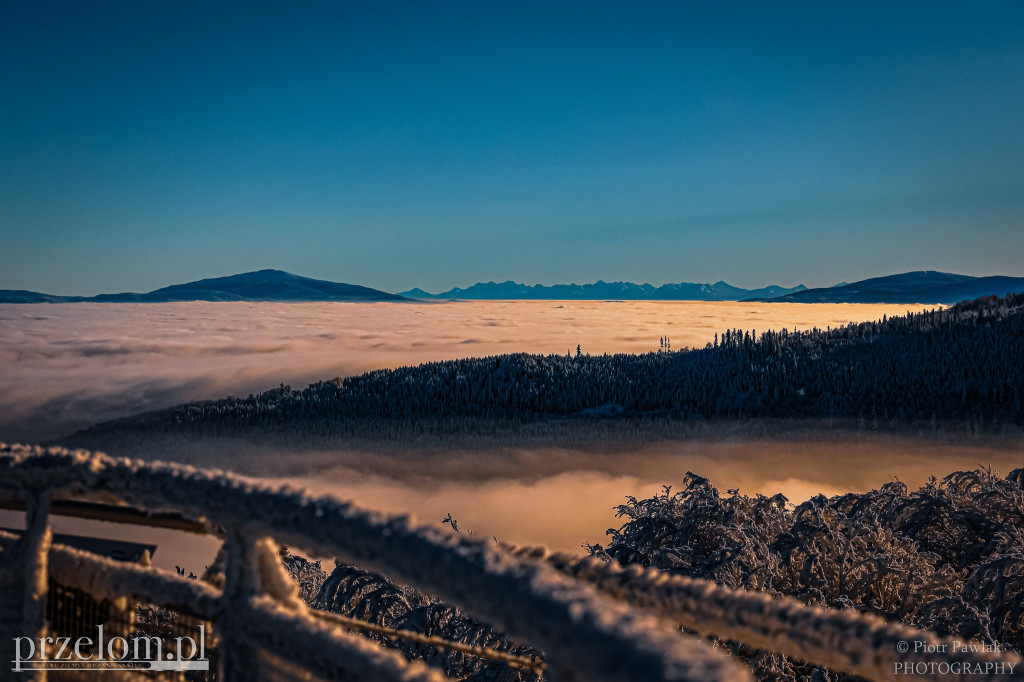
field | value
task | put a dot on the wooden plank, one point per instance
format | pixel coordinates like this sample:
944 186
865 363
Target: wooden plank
115 514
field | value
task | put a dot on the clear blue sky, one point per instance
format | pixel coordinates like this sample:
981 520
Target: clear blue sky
436 144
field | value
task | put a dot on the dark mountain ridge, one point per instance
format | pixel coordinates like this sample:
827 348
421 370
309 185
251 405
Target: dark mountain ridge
276 285
261 285
922 286
601 290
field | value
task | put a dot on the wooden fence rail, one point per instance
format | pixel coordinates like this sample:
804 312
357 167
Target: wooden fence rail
594 621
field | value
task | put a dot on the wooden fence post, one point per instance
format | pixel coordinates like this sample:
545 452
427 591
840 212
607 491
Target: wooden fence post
241 583
34 554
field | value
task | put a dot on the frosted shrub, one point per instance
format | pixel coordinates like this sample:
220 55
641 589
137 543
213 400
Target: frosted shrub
948 557
697 533
368 596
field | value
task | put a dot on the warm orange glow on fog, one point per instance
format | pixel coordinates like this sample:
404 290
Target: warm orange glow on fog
70 365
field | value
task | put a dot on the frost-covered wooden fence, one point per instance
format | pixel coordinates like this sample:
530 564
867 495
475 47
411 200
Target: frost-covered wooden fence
594 621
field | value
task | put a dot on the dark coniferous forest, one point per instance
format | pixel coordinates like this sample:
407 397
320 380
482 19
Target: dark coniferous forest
962 365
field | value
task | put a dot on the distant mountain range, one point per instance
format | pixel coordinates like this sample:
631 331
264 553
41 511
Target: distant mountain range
923 286
275 285
602 291
263 285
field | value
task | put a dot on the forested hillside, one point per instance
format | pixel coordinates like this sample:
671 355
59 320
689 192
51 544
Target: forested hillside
963 364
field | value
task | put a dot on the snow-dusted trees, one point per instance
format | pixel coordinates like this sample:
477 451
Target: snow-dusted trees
963 364
948 557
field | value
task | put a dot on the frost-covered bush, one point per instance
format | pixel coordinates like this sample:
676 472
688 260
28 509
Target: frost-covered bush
697 533
370 597
948 557
309 575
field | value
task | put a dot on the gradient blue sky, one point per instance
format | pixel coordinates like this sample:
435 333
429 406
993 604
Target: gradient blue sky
436 144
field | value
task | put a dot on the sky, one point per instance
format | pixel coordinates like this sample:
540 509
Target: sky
437 144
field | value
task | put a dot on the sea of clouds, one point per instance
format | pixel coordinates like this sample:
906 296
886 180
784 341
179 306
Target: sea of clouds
66 366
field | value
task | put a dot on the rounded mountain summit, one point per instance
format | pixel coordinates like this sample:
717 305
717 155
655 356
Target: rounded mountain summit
262 285
269 285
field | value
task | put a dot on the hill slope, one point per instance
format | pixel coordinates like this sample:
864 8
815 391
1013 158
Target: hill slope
923 286
262 285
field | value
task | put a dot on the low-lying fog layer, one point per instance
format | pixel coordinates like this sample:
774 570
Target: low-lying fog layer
557 497
66 366
560 497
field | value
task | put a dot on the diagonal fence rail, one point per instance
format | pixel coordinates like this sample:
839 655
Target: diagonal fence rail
587 636
594 621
